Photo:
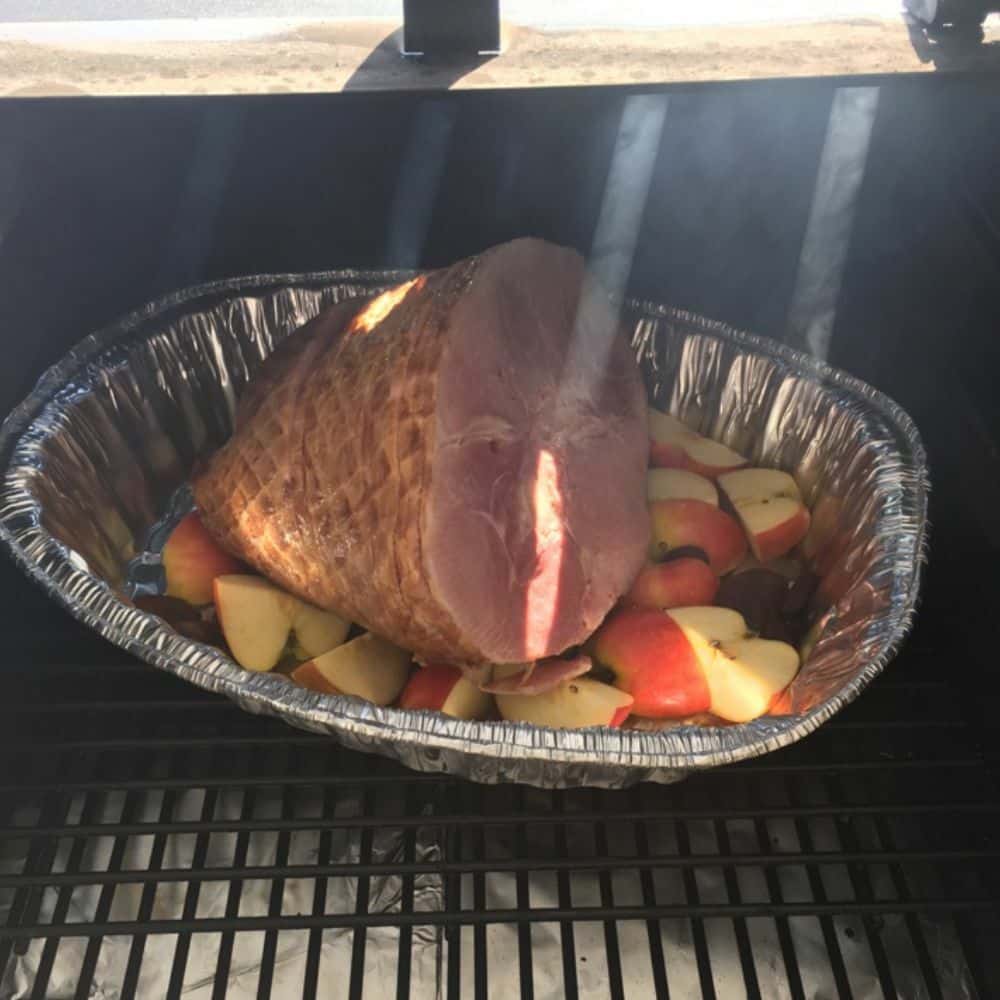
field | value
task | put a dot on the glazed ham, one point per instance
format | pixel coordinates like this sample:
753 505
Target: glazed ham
458 464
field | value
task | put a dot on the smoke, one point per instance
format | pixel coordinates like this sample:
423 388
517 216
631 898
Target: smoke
616 235
418 182
813 307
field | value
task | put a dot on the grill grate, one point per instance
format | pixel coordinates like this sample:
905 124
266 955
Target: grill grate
155 840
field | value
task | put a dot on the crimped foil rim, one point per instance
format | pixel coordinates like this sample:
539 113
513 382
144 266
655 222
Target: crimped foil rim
685 747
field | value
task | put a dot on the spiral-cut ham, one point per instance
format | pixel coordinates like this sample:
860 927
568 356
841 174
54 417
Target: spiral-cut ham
458 464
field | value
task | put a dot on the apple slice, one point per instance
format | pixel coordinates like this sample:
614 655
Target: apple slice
824 519
745 674
679 484
255 619
192 559
367 667
769 504
653 661
574 704
675 446
442 688
679 583
309 676
316 630
678 524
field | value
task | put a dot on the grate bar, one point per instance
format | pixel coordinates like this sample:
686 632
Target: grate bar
562 864
311 978
697 923
912 923
362 919
611 948
405 950
62 904
426 778
457 820
103 911
233 896
516 915
837 966
187 921
266 973
147 900
523 906
739 924
567 938
863 891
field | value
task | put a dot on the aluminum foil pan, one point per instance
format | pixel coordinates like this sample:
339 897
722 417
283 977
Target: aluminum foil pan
94 457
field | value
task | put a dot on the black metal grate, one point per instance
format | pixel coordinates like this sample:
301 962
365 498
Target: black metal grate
155 840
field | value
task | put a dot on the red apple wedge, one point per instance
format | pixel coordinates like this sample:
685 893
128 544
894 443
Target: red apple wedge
745 674
574 704
652 659
192 559
679 484
678 524
442 688
679 583
770 507
675 445
367 667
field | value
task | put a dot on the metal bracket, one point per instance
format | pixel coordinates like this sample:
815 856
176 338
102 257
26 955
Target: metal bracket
451 28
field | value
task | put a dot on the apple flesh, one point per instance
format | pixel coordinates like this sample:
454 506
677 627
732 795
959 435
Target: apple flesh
770 507
745 675
653 661
679 484
367 667
257 619
675 584
442 688
674 445
316 630
680 524
192 559
574 704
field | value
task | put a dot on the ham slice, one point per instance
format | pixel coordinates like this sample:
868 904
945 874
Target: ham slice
537 678
458 464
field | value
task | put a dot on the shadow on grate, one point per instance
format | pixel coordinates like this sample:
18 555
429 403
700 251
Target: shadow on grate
155 841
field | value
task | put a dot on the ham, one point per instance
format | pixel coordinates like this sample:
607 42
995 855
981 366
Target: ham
537 678
457 464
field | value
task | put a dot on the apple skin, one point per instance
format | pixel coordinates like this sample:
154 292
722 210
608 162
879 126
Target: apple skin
770 508
192 559
673 584
782 538
683 523
441 688
653 661
673 445
429 687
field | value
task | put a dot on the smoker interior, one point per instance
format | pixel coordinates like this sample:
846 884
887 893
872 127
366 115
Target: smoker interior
155 840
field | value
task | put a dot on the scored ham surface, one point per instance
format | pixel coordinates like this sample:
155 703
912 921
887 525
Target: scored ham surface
458 464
